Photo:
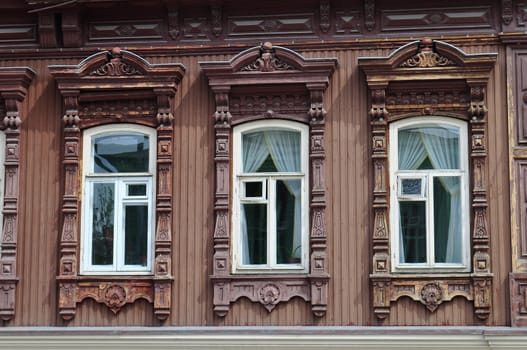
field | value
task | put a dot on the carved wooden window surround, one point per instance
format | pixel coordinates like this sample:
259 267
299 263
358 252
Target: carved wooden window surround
268 82
429 78
113 87
14 83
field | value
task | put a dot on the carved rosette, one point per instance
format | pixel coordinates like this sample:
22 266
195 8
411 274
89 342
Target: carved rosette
456 87
147 99
285 102
14 83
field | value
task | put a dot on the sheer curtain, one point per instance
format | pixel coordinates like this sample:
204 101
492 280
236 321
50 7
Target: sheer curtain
411 154
441 146
284 148
254 154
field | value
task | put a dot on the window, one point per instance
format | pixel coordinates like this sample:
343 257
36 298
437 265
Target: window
429 183
270 216
117 213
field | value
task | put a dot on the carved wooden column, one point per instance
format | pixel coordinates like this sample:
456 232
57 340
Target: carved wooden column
380 239
163 236
319 275
482 278
14 83
221 263
69 238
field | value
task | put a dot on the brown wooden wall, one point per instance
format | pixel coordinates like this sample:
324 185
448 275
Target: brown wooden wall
348 212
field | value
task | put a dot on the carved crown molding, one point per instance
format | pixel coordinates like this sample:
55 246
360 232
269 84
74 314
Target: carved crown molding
425 78
135 91
260 83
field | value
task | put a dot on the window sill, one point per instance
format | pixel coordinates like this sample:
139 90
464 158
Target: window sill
269 290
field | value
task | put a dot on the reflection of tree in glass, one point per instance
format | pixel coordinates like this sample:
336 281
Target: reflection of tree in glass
102 230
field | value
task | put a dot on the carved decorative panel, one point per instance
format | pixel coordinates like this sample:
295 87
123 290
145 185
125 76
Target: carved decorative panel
521 14
14 83
248 88
411 19
47 30
195 28
125 30
347 22
518 290
147 100
520 96
18 34
269 25
429 78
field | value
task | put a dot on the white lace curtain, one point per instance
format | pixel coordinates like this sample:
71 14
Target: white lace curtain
284 149
441 146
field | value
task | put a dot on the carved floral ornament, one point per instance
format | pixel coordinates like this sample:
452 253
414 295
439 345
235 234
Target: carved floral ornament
135 91
426 78
241 91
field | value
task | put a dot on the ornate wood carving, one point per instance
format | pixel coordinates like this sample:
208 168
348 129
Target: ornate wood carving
347 22
369 14
325 22
195 28
467 18
148 100
506 11
216 20
14 83
173 21
269 92
421 79
125 30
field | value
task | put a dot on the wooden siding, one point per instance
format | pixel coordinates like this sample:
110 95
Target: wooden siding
348 211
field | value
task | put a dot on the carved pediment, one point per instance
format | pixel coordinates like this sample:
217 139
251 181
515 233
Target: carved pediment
267 62
427 58
116 66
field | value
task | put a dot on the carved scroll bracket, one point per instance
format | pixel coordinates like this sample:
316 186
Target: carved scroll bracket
316 111
477 109
222 114
164 106
13 105
378 111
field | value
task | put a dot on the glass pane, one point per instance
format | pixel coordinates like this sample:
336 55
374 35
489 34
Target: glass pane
137 190
413 232
411 187
103 224
124 153
428 147
288 222
254 234
253 189
136 234
271 151
447 219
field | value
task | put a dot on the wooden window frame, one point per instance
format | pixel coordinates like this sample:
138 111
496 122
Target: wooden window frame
119 179
14 84
395 175
424 79
239 176
286 86
99 91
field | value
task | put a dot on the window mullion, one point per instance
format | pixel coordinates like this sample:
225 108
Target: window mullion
430 234
271 223
118 231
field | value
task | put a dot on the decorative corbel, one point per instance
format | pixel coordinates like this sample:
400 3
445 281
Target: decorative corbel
378 111
507 11
173 21
216 19
369 14
325 22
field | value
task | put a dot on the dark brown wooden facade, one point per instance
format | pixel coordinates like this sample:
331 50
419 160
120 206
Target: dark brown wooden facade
51 38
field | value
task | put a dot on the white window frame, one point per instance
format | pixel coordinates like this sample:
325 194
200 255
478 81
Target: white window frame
427 177
121 180
269 180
